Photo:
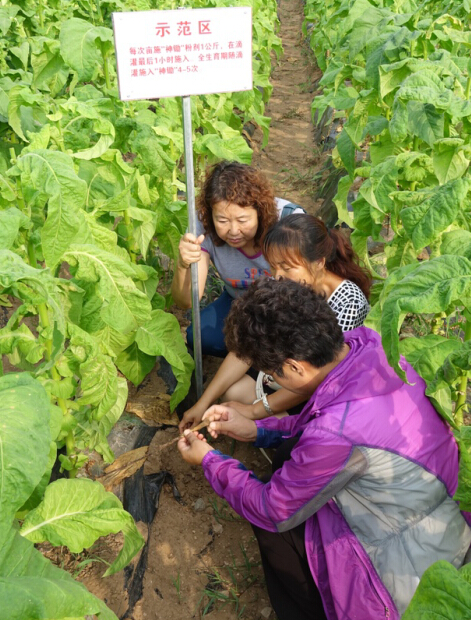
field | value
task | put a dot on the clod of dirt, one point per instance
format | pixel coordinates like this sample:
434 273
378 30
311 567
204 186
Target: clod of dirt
199 505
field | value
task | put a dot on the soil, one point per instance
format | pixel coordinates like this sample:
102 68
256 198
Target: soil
202 558
292 160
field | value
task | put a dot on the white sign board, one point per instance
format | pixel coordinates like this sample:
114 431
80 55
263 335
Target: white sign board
183 52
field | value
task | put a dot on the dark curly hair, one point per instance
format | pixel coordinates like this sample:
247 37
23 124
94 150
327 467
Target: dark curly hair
242 185
303 239
276 320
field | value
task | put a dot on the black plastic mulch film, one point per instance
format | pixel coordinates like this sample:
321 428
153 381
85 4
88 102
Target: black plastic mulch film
141 500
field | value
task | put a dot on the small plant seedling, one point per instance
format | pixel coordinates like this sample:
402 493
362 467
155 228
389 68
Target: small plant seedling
221 591
222 513
177 583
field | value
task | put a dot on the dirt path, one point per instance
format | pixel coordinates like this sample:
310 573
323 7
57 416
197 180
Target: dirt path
291 159
202 558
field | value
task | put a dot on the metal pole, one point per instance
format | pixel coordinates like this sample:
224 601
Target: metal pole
190 198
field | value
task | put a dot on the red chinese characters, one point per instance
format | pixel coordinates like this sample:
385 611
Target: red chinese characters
183 28
162 29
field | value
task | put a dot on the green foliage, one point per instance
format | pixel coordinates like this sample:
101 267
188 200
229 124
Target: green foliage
73 512
398 74
444 593
89 190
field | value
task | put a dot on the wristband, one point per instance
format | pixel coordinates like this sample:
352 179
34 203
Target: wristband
268 409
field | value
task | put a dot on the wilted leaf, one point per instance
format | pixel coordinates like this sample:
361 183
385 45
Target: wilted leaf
123 467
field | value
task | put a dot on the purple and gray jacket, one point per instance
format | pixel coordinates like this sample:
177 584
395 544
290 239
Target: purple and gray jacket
372 475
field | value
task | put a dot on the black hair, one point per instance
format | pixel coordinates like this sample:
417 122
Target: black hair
303 239
276 320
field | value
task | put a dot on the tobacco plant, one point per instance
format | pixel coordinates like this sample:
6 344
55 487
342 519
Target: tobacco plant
397 79
67 512
90 201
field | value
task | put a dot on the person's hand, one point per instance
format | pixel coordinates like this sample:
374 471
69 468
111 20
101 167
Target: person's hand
189 250
193 447
227 421
246 410
191 417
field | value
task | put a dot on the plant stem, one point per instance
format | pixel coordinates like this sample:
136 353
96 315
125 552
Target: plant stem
69 441
61 136
468 88
461 400
129 242
98 9
41 13
106 70
32 254
20 198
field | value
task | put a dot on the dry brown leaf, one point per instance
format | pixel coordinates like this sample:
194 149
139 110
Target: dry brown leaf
123 467
153 410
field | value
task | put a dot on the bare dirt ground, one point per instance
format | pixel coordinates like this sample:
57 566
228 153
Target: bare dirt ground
202 558
291 160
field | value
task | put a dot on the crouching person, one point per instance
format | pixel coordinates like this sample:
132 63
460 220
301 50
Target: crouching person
363 503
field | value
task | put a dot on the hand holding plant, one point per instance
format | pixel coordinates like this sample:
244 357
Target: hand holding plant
193 447
225 420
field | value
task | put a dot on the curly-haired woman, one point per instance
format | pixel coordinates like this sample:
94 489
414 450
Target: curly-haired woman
301 248
235 209
363 503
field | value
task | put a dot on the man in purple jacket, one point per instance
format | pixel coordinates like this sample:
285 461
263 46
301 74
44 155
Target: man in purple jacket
364 503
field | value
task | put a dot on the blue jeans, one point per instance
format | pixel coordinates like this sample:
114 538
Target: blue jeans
212 323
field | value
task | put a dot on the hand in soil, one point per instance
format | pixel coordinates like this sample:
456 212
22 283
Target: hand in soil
193 447
228 421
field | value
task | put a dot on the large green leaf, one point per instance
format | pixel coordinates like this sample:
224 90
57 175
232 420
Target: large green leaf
340 200
31 588
234 148
94 436
124 307
456 242
399 253
449 159
444 593
427 354
83 112
11 221
42 288
456 365
425 221
26 111
463 492
346 150
49 70
424 121
99 385
134 363
52 174
25 438
81 46
22 342
76 513
429 288
162 336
